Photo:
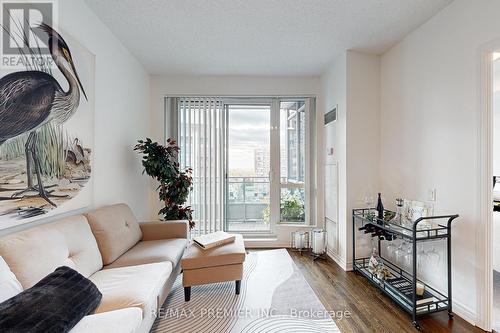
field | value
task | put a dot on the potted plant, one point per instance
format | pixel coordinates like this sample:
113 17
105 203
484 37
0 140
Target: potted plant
160 163
291 209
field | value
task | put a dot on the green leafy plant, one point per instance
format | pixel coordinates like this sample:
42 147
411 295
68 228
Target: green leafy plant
266 214
291 209
160 163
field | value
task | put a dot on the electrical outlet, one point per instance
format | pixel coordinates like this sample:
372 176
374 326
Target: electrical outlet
432 195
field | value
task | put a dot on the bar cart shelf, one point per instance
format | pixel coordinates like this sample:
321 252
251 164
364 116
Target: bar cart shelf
401 286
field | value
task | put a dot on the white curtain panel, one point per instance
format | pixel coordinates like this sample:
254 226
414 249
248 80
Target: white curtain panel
202 138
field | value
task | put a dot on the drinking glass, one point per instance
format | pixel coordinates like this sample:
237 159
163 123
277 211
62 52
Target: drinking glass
391 247
369 201
409 259
401 250
422 258
434 256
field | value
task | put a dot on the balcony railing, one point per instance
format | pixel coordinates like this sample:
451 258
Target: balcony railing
248 199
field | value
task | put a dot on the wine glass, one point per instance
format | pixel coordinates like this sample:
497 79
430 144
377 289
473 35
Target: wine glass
422 258
401 250
434 256
369 202
391 247
409 258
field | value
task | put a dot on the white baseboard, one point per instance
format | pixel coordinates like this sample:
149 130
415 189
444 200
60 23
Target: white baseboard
338 260
464 312
346 266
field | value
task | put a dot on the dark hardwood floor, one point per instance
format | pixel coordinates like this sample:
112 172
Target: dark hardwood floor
370 310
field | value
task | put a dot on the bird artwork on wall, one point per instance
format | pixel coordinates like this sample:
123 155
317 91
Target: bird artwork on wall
45 135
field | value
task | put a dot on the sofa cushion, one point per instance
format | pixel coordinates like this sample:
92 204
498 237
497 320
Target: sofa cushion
116 230
10 285
134 286
34 253
126 320
227 254
146 252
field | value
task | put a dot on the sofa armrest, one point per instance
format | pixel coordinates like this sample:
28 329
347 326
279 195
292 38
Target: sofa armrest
164 230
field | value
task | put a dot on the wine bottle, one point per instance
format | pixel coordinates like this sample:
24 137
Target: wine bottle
380 207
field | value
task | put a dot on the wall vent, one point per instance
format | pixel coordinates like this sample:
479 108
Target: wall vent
331 116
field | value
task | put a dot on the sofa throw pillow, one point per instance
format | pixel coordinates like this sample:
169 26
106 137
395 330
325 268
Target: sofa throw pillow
10 286
55 304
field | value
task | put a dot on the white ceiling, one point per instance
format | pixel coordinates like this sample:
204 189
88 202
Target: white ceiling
257 37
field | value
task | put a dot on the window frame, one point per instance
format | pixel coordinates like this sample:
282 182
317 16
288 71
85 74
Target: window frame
308 147
276 186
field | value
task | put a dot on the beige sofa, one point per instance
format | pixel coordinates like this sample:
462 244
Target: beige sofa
133 264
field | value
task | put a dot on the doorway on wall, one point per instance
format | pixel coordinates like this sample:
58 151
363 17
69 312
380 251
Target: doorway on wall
496 191
248 164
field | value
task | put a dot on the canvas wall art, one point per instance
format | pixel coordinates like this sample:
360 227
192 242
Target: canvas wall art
47 133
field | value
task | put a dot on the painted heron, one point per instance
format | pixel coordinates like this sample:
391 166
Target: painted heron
31 99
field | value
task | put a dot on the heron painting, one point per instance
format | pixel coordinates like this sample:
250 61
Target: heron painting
46 133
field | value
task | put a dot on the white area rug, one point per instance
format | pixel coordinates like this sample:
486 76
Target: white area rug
274 297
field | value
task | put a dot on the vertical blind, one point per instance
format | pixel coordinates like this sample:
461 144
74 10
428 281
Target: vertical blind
202 137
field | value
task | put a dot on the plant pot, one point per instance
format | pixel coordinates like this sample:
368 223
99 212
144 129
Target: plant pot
167 221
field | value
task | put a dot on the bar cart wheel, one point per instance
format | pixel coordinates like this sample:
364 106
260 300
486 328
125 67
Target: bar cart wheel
450 315
416 325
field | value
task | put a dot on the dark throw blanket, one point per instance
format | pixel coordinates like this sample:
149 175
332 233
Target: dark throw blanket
55 304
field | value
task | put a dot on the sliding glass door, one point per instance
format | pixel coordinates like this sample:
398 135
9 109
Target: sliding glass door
248 167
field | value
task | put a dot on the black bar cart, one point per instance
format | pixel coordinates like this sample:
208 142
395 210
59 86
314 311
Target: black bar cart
401 284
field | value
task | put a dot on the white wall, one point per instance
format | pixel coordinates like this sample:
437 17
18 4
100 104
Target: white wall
121 111
162 86
430 122
363 134
334 93
353 83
